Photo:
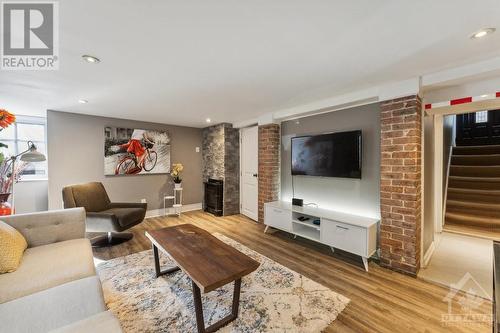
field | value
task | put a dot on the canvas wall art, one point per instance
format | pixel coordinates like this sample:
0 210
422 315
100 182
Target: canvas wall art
130 151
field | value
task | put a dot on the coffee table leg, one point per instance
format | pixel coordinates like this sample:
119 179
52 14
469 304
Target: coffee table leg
198 308
158 271
236 298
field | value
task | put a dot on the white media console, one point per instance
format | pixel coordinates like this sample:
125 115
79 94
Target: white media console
351 233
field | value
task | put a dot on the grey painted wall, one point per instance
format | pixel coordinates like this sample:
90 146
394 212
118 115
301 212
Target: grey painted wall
31 196
75 146
359 196
448 142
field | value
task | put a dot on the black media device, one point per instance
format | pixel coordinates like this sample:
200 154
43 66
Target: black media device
297 202
328 155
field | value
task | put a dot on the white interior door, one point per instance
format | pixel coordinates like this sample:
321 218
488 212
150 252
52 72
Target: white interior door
249 169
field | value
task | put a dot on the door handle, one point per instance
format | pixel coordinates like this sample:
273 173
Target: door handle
255 175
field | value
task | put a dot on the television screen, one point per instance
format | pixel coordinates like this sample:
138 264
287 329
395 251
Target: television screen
327 155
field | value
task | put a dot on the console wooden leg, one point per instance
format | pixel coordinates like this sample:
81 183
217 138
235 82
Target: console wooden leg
365 263
158 271
265 230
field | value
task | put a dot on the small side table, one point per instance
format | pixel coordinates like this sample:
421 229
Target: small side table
176 202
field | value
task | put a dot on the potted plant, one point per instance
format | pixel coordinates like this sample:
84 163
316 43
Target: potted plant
175 172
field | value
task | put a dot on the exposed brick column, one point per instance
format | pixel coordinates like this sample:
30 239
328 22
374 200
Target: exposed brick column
269 165
401 184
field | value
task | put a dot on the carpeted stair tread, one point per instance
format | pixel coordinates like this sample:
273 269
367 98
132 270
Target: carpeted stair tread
475 171
485 183
478 179
472 230
475 195
476 160
468 219
476 150
473 208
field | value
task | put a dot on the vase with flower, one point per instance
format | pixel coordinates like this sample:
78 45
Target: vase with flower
175 172
6 119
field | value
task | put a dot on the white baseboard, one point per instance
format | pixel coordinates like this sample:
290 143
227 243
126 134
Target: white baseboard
428 254
184 208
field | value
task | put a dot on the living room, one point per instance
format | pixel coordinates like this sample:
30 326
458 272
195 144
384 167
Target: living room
249 167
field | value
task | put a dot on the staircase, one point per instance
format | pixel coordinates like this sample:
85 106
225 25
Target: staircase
473 197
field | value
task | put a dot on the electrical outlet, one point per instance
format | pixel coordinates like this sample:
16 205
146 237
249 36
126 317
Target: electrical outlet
143 200
197 149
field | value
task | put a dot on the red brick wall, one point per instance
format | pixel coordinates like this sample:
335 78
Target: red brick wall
269 165
401 184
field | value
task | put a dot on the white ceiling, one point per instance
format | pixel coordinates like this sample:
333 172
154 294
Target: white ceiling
180 62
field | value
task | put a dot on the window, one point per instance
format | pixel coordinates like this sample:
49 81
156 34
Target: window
481 117
17 135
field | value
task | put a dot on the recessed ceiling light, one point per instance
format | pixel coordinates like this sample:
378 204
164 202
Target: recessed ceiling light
91 59
208 120
83 101
482 33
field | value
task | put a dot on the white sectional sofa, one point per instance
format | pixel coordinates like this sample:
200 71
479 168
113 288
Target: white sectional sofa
56 287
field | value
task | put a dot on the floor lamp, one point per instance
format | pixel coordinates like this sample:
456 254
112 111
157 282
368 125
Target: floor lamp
29 155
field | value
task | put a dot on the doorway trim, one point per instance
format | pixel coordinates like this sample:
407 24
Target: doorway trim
438 114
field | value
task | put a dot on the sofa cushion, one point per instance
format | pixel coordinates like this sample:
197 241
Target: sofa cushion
127 216
12 246
46 266
42 228
53 308
103 322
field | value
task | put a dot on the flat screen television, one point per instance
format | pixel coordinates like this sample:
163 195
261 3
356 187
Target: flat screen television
328 155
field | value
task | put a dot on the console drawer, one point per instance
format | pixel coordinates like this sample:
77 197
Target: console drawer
344 236
278 218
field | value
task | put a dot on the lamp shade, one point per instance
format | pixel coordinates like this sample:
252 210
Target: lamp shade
32 156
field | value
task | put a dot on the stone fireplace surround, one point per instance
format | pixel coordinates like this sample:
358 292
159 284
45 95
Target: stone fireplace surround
221 160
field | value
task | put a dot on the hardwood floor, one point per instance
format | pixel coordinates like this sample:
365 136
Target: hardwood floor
381 300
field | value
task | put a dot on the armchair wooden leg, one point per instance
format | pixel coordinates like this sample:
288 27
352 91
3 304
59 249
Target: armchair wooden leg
110 239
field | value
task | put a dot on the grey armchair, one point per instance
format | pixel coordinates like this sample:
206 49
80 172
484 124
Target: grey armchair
102 214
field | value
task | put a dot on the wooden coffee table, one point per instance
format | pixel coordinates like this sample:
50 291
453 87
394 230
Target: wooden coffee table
209 262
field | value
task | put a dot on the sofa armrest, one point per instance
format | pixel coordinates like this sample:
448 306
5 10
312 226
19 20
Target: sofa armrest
129 205
49 227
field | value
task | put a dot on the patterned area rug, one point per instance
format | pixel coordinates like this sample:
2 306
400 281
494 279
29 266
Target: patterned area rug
273 298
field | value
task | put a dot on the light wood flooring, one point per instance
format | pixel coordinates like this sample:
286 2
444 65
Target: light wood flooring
381 300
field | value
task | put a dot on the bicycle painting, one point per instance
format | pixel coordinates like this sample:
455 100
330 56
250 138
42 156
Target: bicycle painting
136 151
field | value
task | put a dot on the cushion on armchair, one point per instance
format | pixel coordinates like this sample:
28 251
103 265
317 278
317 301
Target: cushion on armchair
127 216
92 196
12 246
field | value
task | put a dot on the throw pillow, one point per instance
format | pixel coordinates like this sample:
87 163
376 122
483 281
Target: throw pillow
12 246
